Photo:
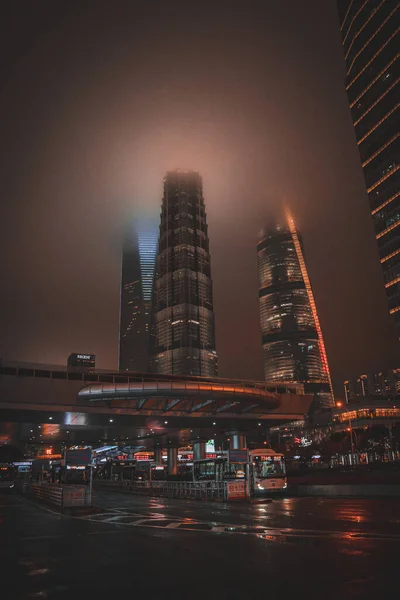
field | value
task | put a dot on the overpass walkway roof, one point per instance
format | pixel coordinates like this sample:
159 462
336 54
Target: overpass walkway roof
185 396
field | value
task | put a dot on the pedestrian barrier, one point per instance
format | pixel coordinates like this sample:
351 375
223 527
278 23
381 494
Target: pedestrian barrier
197 490
75 495
62 496
48 493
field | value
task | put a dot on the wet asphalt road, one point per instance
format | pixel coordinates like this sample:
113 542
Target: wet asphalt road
140 547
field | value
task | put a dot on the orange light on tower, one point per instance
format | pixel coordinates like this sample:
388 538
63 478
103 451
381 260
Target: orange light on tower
304 272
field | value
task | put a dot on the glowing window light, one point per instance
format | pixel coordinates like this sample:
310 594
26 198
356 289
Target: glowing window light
389 256
388 201
382 179
148 242
393 282
387 230
372 59
364 137
373 35
346 15
377 78
310 294
375 154
377 101
353 19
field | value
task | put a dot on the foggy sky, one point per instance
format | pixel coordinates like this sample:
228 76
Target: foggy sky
99 99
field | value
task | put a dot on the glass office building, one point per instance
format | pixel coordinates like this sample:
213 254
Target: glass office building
293 346
137 273
183 336
371 44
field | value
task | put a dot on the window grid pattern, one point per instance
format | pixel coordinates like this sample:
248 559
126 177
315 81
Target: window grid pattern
290 340
183 340
371 41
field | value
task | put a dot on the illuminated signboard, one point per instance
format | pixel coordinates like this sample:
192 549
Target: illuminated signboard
238 456
78 457
210 446
82 362
49 456
144 456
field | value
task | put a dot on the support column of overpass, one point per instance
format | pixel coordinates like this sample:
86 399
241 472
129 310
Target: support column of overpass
199 449
237 440
158 455
172 454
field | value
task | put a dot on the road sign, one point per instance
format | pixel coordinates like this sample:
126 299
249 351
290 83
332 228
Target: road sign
236 490
78 457
238 456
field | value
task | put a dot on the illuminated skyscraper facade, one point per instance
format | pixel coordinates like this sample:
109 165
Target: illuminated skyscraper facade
183 337
138 262
293 346
384 383
371 42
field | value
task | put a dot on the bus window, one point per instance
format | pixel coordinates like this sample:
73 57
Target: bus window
204 471
269 466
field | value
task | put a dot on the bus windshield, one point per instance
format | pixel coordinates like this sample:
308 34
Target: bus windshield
269 466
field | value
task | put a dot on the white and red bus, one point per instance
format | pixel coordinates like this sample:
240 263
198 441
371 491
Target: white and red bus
269 471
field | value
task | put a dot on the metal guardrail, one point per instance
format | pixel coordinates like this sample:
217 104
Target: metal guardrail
59 372
197 490
49 493
62 496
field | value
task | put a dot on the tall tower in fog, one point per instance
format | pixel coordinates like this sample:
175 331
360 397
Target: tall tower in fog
370 35
183 336
137 273
293 346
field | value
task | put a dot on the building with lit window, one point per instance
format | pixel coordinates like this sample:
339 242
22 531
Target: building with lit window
138 262
370 36
293 346
183 337
384 383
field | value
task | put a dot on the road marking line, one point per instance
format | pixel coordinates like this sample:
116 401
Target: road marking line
143 521
151 522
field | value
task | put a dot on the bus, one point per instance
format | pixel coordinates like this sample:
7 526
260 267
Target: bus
217 469
269 471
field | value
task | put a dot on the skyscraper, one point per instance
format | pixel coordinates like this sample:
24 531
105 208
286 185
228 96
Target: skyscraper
383 383
138 261
182 317
293 346
370 36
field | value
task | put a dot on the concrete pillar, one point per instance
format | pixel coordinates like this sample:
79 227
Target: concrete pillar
237 441
158 455
199 449
172 460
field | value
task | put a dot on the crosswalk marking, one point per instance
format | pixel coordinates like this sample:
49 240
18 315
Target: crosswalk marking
161 521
